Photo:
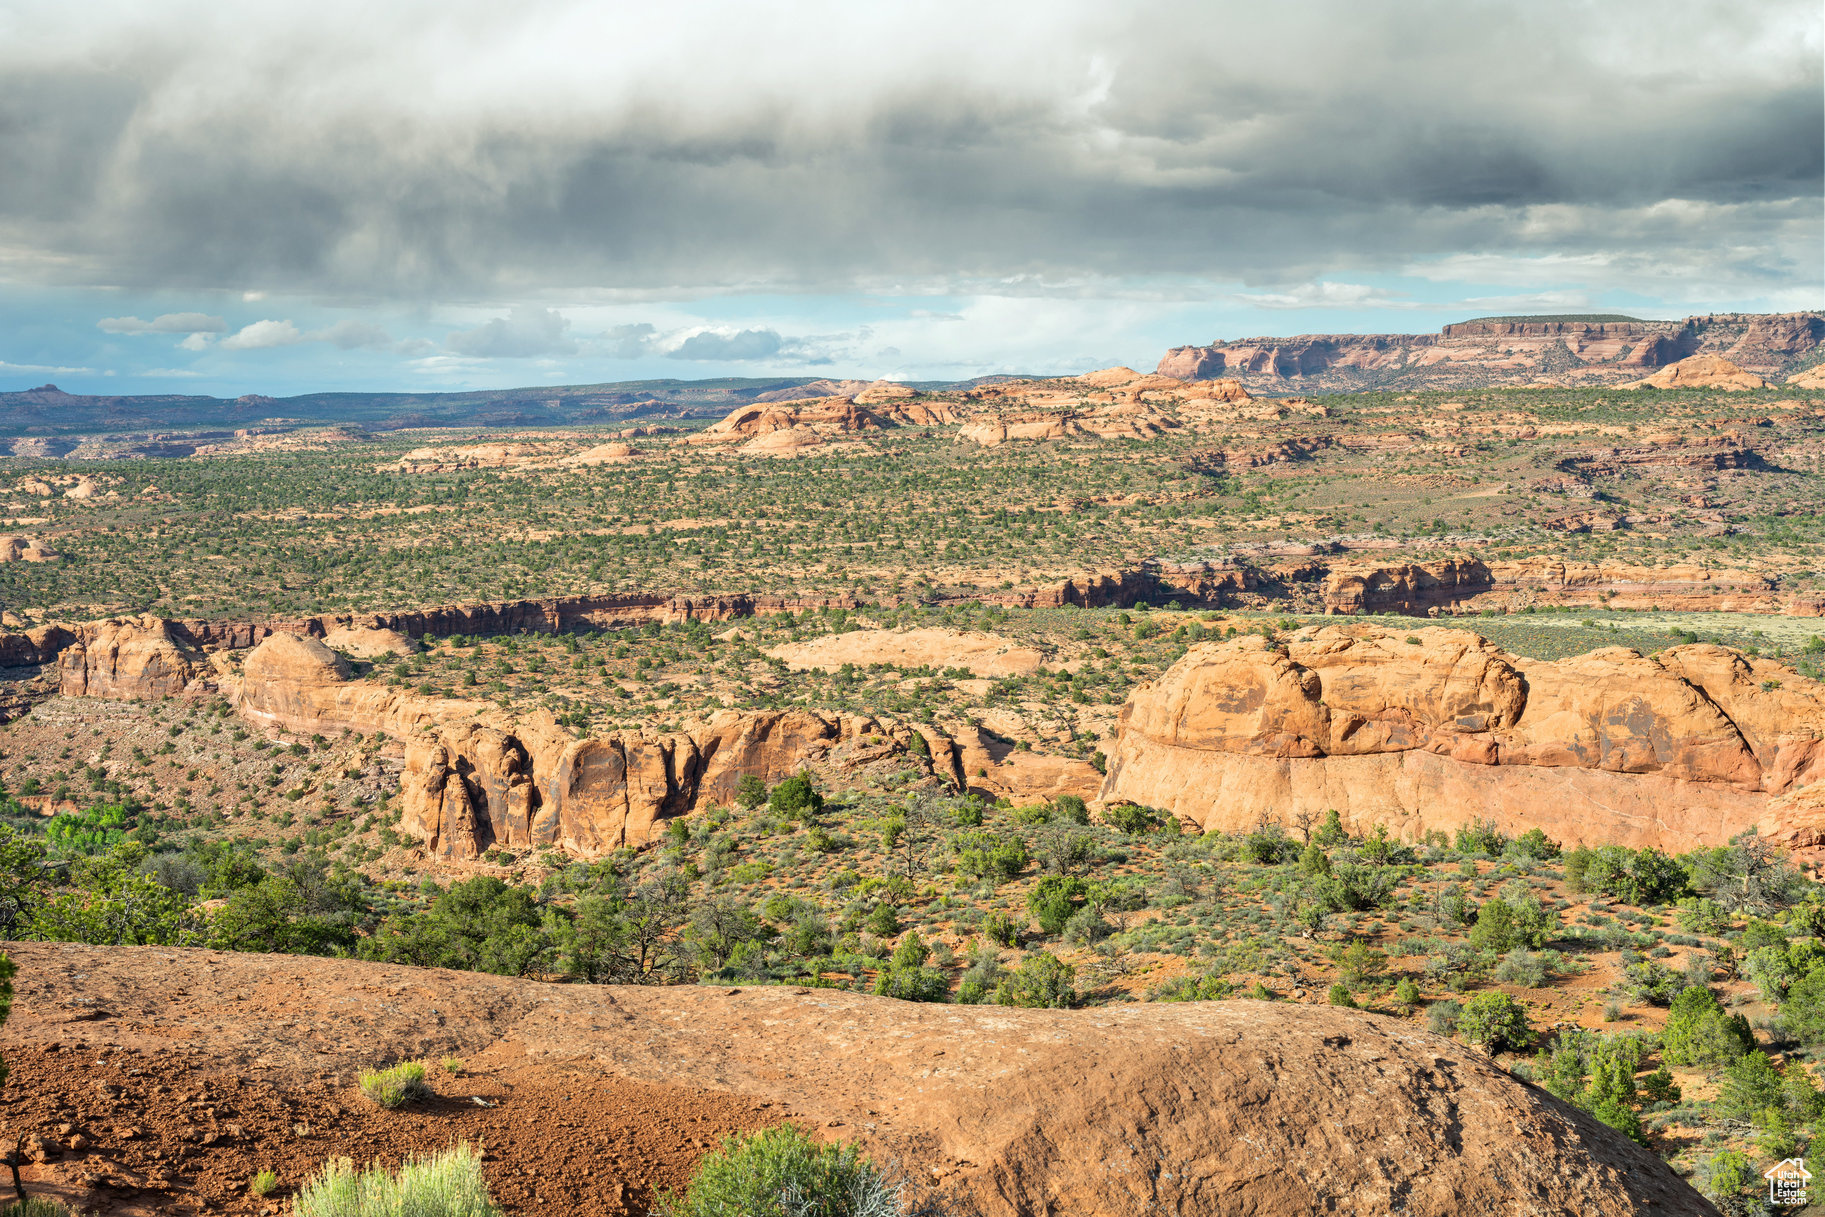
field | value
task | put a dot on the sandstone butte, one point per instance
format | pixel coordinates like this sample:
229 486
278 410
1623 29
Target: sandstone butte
1436 728
1193 1108
1700 372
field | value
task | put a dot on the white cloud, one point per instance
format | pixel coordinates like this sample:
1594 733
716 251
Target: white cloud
462 150
263 334
167 323
40 369
1329 295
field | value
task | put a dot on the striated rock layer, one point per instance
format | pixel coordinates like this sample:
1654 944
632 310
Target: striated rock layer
1438 728
1190 1108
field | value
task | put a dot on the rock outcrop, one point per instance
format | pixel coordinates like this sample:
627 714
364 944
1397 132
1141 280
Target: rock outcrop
1701 372
1437 728
1191 1108
822 419
365 643
470 786
26 549
126 658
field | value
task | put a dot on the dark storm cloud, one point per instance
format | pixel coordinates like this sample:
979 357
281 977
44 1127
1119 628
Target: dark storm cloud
461 149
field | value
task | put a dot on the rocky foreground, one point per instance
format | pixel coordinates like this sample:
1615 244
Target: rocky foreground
1235 1107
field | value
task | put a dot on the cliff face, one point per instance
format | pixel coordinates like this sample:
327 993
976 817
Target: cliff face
1438 728
1512 351
476 777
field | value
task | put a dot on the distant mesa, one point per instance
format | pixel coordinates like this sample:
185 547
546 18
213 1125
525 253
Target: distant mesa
1543 351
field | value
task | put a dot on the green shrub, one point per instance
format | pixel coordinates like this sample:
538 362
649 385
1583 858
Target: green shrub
391 1088
1041 981
1187 988
263 1183
1054 899
448 1184
1496 1021
795 797
1132 818
782 1172
1000 928
1340 996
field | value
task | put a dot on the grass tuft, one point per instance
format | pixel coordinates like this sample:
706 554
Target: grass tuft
448 1184
395 1087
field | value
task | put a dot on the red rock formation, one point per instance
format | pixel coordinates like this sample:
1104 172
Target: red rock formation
1434 729
127 658
1192 363
39 645
1516 351
1197 1109
1701 372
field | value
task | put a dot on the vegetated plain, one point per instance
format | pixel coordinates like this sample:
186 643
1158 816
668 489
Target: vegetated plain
1615 978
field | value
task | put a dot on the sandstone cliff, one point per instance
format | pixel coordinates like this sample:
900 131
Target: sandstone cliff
1507 350
1437 728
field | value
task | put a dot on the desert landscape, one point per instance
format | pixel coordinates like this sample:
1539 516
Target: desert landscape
1473 736
939 610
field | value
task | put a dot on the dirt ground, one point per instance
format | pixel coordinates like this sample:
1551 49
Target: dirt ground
128 1132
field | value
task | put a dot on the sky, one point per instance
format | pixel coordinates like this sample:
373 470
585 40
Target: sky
394 195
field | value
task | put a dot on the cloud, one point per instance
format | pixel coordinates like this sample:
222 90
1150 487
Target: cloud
263 334
464 150
733 346
1328 295
167 323
523 333
351 335
41 369
628 341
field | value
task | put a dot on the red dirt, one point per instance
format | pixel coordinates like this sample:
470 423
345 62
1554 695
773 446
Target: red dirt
182 1139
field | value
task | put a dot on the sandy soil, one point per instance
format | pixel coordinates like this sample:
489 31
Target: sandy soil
982 654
